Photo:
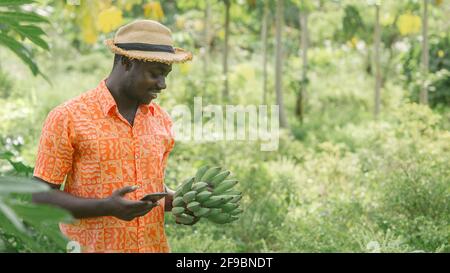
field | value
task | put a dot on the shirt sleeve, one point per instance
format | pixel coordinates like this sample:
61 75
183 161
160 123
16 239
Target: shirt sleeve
54 156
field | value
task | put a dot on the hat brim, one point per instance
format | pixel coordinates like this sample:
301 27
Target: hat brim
180 55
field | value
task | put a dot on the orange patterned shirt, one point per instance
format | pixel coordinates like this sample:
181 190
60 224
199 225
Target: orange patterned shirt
88 140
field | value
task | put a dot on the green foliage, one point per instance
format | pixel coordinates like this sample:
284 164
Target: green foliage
18 23
352 23
6 84
439 67
24 226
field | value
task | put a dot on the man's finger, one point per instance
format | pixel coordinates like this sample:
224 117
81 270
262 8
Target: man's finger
145 211
138 206
125 190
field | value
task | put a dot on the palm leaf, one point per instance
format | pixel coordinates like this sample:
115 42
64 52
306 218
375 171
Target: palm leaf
15 2
33 33
19 16
21 51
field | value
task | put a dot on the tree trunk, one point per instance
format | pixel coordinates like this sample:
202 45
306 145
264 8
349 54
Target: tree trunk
279 63
299 109
225 95
206 42
264 49
425 55
377 39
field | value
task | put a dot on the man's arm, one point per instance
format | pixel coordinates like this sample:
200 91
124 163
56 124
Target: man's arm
114 205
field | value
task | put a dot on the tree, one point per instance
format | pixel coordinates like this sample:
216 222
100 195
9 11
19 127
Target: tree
207 40
425 55
305 9
225 94
279 62
377 39
264 48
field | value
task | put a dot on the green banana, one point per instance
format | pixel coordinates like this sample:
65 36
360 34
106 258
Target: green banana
189 196
219 178
225 185
193 206
234 218
228 207
216 201
202 212
222 218
213 211
237 211
199 186
203 196
185 187
232 192
200 172
185 219
178 202
236 198
210 174
213 201
177 210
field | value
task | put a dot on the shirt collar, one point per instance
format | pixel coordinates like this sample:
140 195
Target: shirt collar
107 102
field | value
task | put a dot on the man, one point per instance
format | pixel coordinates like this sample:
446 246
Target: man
110 146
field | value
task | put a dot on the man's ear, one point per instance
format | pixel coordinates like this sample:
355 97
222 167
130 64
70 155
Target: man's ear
126 63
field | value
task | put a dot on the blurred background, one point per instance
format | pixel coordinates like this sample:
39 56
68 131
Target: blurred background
364 95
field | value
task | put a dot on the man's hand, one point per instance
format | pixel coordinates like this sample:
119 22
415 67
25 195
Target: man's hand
126 209
168 199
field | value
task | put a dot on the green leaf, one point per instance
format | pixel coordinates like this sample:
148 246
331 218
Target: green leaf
12 184
33 30
43 219
18 16
10 229
15 2
21 168
6 155
32 33
11 216
21 51
38 214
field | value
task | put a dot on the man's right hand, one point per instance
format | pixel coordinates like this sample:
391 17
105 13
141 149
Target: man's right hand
126 209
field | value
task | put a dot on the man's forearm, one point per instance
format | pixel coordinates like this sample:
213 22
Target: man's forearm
77 206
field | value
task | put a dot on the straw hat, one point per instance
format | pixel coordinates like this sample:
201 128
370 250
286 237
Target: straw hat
147 40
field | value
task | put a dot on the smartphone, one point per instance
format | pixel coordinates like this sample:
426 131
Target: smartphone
154 197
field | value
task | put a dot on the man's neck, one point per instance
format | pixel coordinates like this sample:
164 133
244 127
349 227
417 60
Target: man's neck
124 104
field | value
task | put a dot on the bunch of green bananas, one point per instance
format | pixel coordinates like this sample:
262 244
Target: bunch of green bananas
209 195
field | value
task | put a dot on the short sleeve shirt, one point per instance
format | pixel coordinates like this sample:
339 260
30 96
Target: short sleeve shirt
88 144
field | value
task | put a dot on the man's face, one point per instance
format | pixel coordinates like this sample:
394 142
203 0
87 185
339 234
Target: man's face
145 80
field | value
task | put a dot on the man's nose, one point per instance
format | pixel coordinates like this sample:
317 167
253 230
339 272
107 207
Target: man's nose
161 83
